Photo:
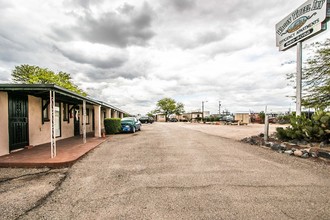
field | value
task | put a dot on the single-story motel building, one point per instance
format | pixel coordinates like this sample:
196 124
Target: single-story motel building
35 114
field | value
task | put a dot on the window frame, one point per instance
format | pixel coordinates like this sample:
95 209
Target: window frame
65 112
45 110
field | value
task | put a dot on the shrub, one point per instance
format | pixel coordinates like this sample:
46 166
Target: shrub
281 134
283 119
112 125
302 128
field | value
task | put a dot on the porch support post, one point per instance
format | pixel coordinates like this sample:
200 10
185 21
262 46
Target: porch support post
52 124
84 121
108 113
97 131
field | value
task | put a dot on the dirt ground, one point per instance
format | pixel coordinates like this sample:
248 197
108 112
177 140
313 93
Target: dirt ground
232 131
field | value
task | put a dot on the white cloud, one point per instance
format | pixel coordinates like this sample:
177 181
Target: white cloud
133 54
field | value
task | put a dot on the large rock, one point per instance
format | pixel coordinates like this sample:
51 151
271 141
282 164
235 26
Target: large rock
290 145
289 152
298 153
276 147
314 152
324 154
305 155
324 145
269 144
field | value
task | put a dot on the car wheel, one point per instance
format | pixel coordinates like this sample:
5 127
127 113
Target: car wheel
133 129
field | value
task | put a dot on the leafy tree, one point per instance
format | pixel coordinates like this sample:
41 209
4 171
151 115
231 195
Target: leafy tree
316 76
262 116
28 74
168 106
151 113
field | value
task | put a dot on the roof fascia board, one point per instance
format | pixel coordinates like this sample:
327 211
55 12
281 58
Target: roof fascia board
61 90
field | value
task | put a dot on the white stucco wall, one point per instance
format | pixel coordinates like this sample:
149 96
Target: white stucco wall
40 133
4 133
67 127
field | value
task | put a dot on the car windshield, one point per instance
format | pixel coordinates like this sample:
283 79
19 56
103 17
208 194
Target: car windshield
127 119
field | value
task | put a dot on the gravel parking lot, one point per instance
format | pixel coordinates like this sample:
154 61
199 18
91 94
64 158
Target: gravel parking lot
234 132
172 171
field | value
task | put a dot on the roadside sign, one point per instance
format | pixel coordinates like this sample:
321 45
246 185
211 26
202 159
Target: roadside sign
304 22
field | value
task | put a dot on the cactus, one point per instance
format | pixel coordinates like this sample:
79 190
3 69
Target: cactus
316 129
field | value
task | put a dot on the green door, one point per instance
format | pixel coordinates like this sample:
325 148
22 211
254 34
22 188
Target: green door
18 121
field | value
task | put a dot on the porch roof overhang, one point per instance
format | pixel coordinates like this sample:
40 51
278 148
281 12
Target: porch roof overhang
62 94
106 105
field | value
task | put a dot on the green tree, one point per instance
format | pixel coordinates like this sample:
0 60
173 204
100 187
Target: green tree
262 116
28 74
168 106
316 76
151 113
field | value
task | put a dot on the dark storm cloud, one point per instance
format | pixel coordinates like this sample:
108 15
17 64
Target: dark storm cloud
8 48
203 39
209 37
126 8
104 61
127 26
85 3
4 76
4 5
182 5
16 48
101 75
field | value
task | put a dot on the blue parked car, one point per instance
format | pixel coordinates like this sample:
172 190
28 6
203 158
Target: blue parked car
130 124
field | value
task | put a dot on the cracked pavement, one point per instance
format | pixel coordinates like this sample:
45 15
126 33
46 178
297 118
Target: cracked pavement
171 171
23 190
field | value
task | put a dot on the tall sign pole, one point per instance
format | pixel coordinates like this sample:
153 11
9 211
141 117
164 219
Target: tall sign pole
299 79
303 23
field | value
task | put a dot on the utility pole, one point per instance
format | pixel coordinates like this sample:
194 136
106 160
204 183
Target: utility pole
219 108
203 110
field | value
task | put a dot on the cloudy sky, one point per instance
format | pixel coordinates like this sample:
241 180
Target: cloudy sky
133 53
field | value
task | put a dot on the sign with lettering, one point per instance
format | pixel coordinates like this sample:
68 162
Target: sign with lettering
306 21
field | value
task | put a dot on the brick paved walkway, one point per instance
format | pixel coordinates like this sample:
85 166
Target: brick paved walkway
68 151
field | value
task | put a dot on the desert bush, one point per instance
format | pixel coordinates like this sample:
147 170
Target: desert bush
112 125
283 119
316 129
